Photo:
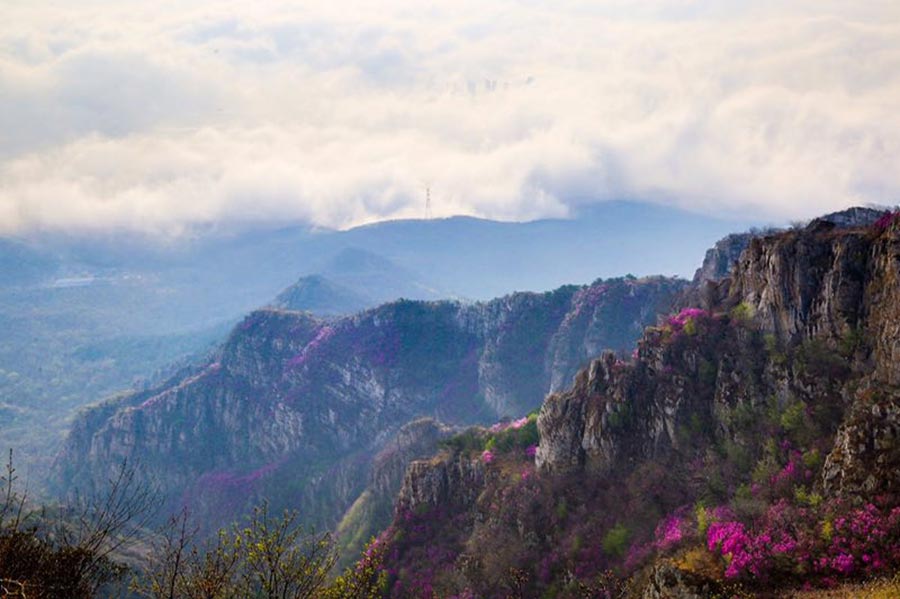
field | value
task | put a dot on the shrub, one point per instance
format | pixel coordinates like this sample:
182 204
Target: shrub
615 541
742 313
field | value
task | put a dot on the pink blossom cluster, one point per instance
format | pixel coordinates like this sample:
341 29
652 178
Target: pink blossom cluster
512 425
531 451
487 456
739 548
678 321
864 540
670 532
792 473
858 541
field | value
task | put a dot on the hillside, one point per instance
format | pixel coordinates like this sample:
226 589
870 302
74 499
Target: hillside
748 448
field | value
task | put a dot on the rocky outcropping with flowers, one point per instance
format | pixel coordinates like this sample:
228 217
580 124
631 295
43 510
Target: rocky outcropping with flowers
750 445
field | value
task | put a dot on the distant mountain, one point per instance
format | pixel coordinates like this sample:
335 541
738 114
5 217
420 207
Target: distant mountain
381 280
480 259
351 281
316 294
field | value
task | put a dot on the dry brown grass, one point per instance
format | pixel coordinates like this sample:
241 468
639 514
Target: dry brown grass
879 589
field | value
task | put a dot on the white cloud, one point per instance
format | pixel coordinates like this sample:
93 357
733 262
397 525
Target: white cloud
158 115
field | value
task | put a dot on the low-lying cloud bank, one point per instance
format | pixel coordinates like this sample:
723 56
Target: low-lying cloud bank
158 115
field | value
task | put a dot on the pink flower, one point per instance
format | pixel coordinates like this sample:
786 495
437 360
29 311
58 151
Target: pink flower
514 425
487 456
517 424
678 321
842 563
669 533
531 451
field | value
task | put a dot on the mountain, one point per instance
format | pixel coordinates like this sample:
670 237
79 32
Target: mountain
379 279
316 294
69 302
750 447
351 281
294 408
481 259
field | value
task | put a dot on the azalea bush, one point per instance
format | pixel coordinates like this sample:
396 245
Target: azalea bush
790 543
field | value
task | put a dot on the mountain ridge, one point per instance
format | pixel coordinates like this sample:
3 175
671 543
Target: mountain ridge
293 398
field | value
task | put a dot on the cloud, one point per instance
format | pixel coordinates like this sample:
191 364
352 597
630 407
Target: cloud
158 116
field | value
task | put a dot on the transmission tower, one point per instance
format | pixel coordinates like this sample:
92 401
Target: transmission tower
427 203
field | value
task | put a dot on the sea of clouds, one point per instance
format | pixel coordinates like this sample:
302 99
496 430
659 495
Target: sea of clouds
160 115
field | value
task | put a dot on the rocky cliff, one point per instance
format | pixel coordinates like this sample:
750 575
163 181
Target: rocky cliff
373 510
741 430
293 408
721 258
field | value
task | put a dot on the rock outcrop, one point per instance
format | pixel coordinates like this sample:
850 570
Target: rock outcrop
829 297
373 510
722 257
667 581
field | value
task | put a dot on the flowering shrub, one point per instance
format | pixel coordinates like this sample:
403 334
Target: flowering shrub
670 532
512 425
791 541
686 316
507 436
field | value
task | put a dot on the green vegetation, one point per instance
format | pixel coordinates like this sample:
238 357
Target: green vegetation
615 541
267 558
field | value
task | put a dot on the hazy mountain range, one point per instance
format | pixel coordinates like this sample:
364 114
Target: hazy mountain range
88 317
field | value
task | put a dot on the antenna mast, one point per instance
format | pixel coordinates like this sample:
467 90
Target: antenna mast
427 203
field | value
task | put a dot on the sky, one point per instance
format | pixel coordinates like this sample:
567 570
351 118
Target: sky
158 116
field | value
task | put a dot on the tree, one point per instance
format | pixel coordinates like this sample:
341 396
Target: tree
66 551
366 580
268 558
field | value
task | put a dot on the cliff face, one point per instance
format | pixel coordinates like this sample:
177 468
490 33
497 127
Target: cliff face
721 258
779 394
824 305
294 408
373 509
